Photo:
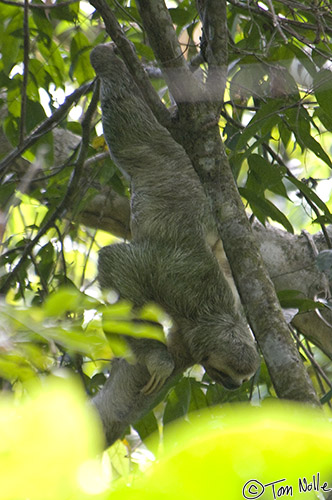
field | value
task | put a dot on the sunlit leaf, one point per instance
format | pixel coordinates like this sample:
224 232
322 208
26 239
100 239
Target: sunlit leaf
247 449
34 436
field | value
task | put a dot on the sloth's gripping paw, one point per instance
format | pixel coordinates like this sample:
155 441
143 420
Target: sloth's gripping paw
160 365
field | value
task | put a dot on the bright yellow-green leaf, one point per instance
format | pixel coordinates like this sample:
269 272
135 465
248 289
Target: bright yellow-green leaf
46 442
240 453
67 299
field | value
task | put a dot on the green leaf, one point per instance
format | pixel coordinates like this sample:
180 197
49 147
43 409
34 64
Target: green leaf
66 12
40 427
14 366
304 58
198 397
265 207
262 122
80 67
35 114
67 299
145 51
14 96
134 329
324 118
178 401
311 195
10 47
6 192
267 175
215 394
152 312
299 122
54 63
146 425
44 25
11 129
327 397
294 299
46 264
243 447
323 90
285 133
247 83
182 16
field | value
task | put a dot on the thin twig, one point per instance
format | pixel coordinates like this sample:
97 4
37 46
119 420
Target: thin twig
87 257
26 49
316 367
39 6
213 15
276 21
285 22
60 237
86 125
132 18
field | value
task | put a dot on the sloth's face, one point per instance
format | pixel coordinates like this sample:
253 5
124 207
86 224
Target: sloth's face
228 381
231 371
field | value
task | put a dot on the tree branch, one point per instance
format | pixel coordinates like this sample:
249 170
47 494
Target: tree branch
128 53
164 42
26 48
213 15
39 6
256 291
44 127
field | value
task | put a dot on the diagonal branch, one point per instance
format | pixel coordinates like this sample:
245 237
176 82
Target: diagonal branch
164 42
128 53
42 6
44 127
213 15
26 48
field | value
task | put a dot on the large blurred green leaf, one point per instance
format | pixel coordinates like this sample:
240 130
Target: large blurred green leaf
33 438
238 454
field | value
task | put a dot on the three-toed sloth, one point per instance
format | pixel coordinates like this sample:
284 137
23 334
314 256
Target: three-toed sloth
169 260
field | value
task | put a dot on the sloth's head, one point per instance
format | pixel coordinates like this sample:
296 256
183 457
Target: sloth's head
227 350
230 375
104 58
232 362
